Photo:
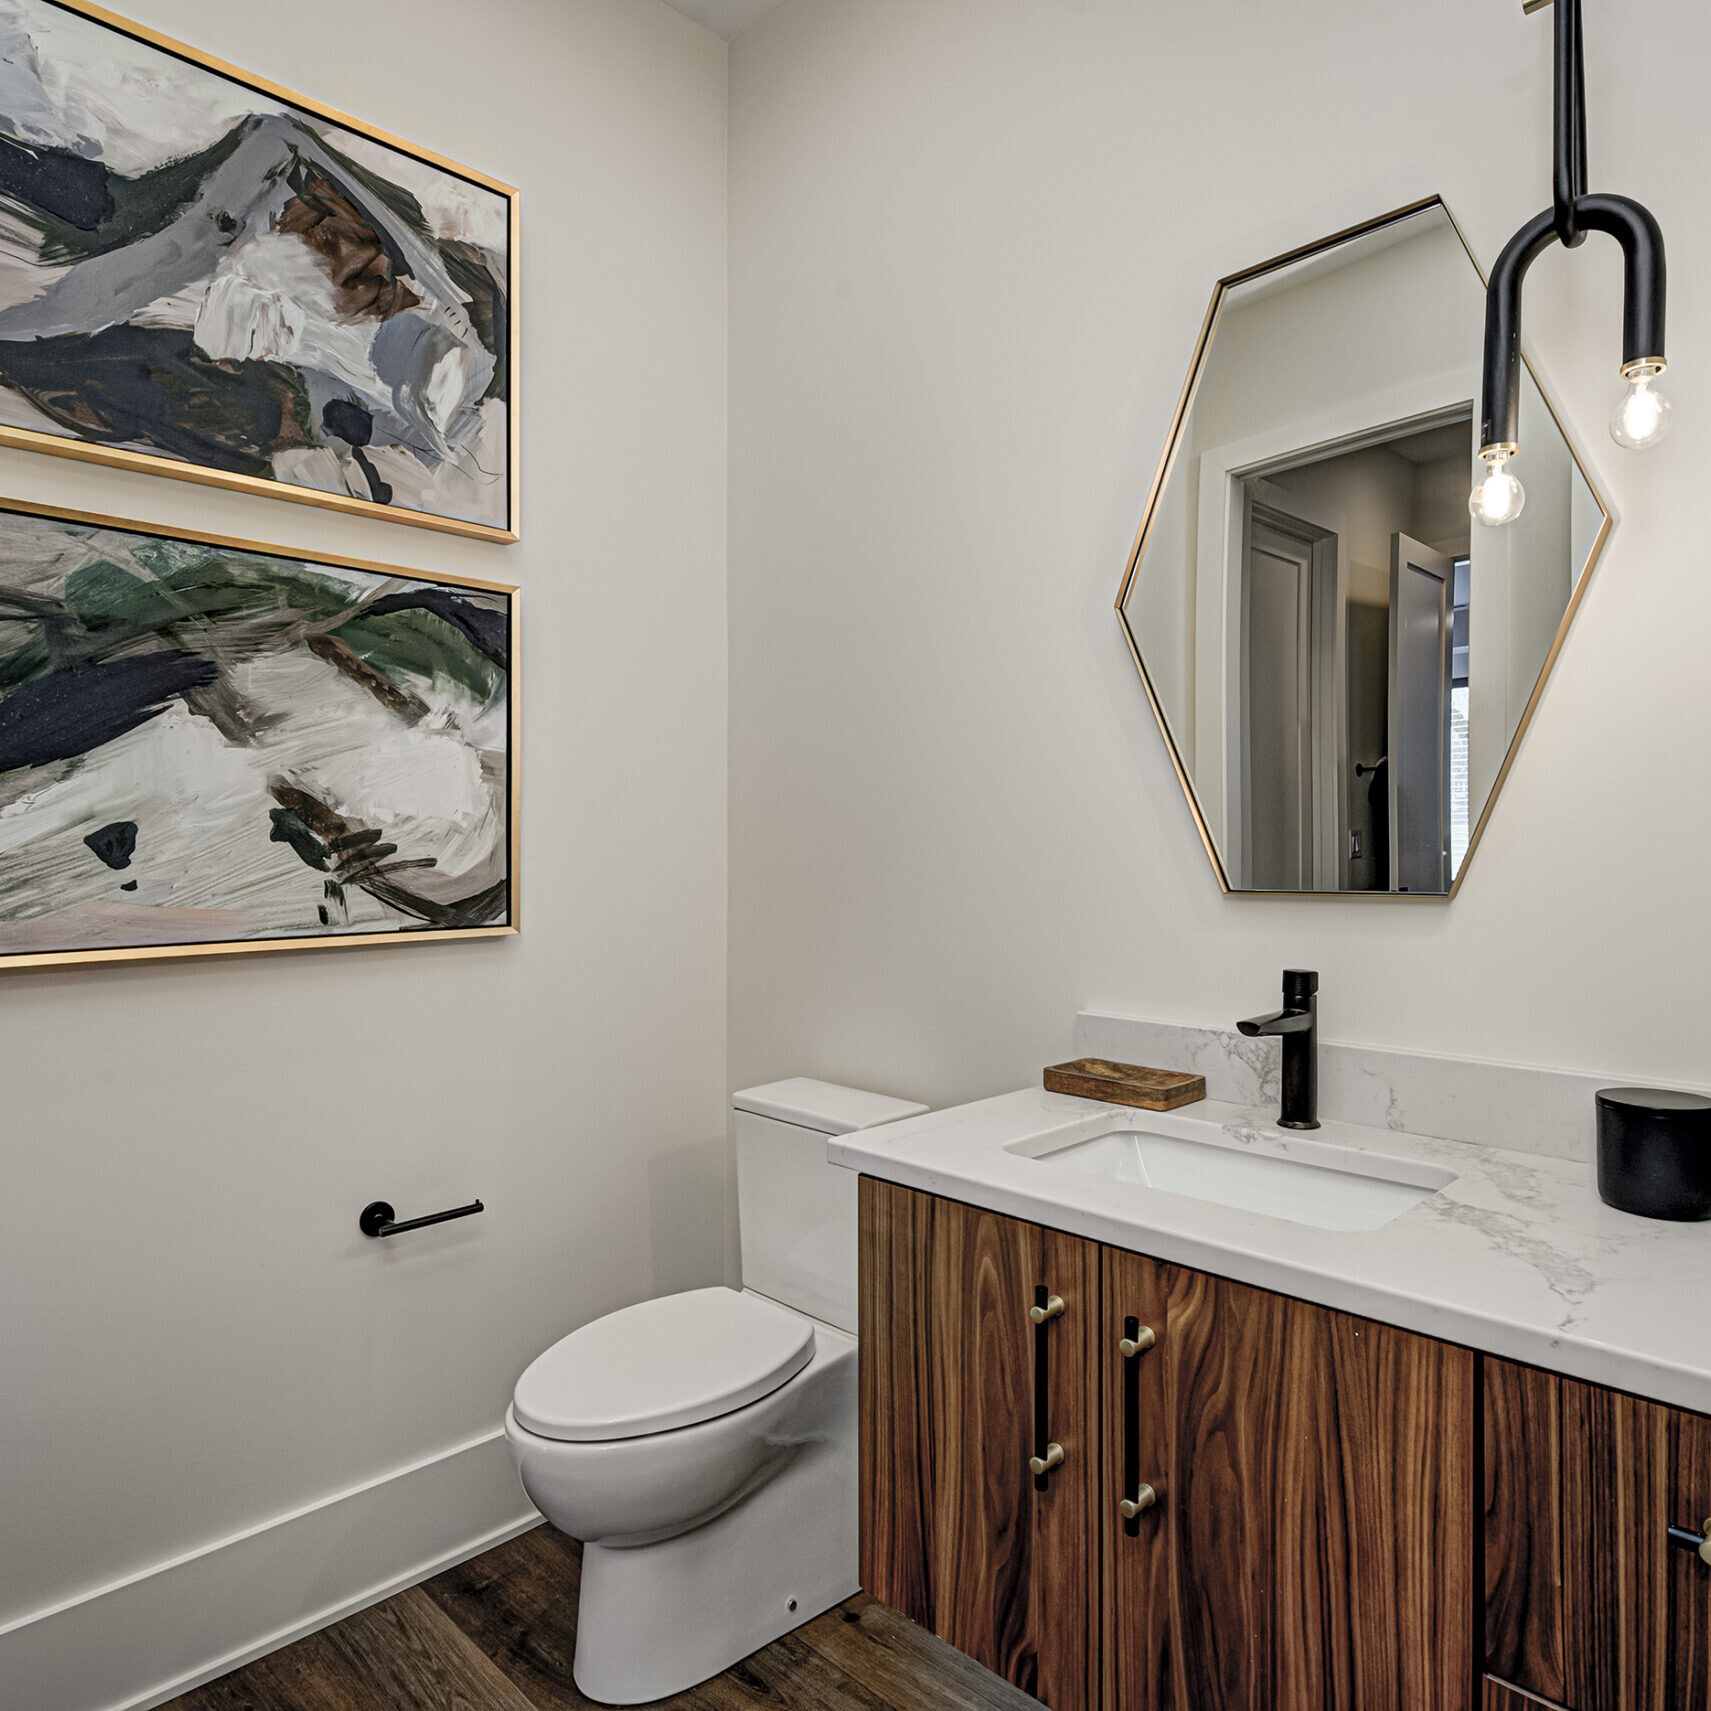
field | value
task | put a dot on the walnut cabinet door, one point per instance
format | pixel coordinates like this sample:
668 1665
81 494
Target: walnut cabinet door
980 1436
1130 1485
1306 1541
1589 1603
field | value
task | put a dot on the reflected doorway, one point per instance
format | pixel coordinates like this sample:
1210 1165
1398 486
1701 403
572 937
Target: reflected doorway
1352 624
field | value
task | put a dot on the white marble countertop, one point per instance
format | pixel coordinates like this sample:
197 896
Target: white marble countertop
1517 1257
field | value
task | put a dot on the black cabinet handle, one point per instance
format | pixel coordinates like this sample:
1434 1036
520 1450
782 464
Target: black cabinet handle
1137 1495
1047 1455
377 1218
1688 1540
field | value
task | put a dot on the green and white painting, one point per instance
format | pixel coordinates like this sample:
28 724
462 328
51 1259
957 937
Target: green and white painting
209 744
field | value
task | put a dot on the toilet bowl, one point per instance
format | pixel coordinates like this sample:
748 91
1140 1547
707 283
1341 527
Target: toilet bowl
703 1445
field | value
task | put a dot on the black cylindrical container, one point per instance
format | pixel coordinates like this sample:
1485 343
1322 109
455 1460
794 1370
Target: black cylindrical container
1654 1152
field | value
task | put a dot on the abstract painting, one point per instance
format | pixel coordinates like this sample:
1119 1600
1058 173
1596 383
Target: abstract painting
209 277
206 744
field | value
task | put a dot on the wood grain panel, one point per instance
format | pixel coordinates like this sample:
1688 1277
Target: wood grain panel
1065 1590
1615 1506
981 1281
897 1463
1323 1505
1500 1696
1587 1603
1689 1580
954 1534
1524 1640
1138 1660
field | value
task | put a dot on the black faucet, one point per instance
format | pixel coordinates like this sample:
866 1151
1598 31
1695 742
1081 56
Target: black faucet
1297 1024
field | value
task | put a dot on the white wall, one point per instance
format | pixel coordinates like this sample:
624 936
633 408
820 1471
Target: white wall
972 242
195 1338
1520 579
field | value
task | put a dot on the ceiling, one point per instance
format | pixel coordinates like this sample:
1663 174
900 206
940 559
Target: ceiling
727 18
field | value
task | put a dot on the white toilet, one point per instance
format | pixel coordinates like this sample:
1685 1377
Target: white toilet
703 1445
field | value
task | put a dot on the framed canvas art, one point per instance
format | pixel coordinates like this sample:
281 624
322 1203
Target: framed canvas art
211 745
208 277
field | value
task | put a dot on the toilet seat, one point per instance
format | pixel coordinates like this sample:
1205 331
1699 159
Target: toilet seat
657 1365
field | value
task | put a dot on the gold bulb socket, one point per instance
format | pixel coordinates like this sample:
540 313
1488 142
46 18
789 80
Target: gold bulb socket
1499 451
1642 368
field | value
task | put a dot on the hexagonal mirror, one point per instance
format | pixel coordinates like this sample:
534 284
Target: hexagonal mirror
1342 661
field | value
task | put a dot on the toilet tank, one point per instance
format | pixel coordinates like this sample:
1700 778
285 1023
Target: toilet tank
796 1212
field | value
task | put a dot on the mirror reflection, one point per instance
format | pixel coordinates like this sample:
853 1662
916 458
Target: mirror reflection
1341 658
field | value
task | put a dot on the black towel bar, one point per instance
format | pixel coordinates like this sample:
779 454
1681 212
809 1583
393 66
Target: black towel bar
377 1216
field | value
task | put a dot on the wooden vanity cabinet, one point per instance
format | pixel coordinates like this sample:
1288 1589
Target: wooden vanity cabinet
1588 1607
1311 1542
956 1532
1311 1547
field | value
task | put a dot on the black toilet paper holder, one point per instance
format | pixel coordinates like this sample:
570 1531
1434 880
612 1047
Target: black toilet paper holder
378 1218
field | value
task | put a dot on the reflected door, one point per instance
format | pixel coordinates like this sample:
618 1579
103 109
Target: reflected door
1422 601
1277 718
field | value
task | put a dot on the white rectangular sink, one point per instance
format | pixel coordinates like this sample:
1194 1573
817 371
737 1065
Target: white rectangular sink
1306 1182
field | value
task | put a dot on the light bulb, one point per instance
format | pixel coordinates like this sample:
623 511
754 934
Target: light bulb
1642 418
1497 496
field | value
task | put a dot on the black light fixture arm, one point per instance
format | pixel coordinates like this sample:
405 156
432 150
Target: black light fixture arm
1573 213
1568 152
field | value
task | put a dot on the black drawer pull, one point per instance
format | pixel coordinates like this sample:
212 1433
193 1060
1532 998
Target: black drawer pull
377 1218
1047 1454
1688 1540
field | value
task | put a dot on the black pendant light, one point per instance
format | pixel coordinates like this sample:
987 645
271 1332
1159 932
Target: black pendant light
1642 418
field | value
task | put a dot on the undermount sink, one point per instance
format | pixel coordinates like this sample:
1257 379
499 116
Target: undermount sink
1306 1182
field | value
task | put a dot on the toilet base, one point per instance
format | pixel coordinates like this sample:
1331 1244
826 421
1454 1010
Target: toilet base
656 1619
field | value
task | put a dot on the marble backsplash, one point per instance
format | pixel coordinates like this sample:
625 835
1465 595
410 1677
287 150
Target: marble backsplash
1545 1111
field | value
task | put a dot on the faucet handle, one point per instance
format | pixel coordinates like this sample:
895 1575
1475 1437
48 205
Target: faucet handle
1299 987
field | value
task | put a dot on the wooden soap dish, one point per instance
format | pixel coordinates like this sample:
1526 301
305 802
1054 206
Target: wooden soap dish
1125 1084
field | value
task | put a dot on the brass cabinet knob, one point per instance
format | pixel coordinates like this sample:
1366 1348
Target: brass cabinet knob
1040 1466
1053 1306
1705 1543
1139 1343
1145 1497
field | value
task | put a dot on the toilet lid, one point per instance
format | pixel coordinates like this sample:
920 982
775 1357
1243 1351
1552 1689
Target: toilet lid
661 1364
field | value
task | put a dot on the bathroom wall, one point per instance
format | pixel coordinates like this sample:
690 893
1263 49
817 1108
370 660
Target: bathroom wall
972 243
196 1342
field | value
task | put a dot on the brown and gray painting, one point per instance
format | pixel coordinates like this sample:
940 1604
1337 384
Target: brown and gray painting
191 269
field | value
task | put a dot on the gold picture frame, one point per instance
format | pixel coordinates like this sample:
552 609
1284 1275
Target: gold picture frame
121 457
403 935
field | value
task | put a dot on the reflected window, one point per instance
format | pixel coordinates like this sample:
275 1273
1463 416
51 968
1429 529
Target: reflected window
1460 829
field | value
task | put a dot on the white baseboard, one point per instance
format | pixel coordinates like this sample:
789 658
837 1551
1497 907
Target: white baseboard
140 1641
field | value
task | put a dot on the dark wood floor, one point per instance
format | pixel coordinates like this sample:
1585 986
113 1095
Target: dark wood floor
498 1634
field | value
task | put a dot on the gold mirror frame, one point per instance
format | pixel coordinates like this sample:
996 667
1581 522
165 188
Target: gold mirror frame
1173 442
